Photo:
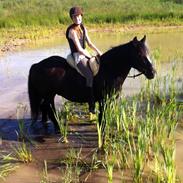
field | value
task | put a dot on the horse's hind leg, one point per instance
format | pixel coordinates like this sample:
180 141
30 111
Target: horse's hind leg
51 112
44 112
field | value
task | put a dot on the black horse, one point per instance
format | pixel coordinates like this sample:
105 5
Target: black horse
54 76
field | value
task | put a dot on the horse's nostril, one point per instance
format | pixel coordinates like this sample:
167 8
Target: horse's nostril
150 74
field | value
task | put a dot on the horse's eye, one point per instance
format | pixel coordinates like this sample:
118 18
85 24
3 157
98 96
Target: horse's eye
140 54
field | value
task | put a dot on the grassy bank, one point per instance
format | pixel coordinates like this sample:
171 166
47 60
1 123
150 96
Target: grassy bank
14 38
18 13
22 22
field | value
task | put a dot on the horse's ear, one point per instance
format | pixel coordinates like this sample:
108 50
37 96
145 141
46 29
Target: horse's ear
143 39
135 41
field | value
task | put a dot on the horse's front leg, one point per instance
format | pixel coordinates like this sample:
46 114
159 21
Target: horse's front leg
44 107
101 110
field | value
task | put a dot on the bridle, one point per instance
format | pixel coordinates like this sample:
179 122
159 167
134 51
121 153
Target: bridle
135 75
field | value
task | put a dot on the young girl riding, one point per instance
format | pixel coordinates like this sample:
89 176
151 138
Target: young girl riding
77 37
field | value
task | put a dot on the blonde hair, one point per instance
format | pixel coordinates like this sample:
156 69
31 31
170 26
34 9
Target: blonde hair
78 31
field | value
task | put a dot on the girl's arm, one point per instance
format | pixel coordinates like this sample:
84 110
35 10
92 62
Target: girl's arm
91 45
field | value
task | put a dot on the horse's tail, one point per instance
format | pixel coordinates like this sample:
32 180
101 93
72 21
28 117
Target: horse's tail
34 96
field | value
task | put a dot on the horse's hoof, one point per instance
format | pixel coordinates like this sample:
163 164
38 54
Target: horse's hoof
57 131
33 123
63 140
101 151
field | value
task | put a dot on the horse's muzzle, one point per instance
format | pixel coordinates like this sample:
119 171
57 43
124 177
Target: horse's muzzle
150 74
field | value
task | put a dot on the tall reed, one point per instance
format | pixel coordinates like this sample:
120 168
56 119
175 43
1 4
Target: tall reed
73 169
62 116
44 176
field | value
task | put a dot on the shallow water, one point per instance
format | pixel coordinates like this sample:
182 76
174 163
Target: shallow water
14 68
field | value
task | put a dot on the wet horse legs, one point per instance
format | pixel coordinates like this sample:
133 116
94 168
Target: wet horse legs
48 110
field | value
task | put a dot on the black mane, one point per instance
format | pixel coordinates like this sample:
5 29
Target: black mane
115 52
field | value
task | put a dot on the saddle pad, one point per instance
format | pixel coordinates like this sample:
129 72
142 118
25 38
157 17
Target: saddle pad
93 64
71 62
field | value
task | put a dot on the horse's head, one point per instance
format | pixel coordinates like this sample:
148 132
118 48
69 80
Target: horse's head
140 59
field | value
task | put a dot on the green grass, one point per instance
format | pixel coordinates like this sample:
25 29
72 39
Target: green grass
72 166
62 116
7 165
18 13
141 132
23 152
44 175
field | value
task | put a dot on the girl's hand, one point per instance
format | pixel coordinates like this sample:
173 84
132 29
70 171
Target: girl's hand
99 53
